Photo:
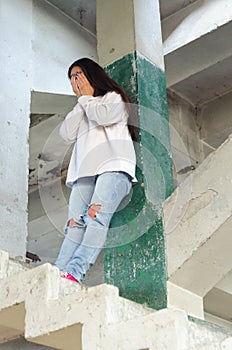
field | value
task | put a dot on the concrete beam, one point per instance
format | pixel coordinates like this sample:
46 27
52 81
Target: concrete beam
181 298
198 55
198 224
196 38
193 22
209 262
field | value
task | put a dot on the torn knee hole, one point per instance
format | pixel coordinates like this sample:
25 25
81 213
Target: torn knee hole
73 223
93 209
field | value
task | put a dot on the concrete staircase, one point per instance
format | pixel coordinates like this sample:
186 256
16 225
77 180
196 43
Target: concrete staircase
198 218
45 309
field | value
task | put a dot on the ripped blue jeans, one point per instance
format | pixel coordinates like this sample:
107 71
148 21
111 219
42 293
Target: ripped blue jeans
92 203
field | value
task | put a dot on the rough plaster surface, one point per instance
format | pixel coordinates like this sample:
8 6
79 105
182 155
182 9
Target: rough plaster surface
63 315
198 220
15 110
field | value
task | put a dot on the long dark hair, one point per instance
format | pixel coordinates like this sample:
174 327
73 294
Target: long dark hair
102 83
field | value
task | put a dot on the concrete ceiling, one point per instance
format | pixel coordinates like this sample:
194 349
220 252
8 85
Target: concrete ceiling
84 12
81 11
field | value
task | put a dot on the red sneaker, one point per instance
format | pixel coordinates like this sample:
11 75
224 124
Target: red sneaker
68 277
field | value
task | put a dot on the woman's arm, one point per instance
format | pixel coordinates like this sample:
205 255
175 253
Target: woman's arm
104 110
69 127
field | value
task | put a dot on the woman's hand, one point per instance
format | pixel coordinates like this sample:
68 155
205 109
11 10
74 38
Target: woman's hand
81 85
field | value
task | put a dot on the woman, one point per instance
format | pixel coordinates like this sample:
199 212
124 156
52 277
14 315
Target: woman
102 165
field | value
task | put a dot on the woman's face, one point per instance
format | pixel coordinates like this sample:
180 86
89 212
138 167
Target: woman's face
75 71
80 83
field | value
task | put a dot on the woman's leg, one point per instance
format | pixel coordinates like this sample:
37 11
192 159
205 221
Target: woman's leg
110 189
79 200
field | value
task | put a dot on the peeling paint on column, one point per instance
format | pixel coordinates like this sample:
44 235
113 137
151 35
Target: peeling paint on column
138 267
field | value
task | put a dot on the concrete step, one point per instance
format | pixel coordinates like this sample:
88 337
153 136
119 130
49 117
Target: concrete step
51 311
35 302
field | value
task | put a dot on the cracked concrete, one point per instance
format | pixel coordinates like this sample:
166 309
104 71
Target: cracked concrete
198 203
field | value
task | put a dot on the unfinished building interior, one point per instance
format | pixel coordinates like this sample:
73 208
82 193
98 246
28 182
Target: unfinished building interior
189 43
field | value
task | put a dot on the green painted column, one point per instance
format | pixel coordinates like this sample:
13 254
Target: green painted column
135 255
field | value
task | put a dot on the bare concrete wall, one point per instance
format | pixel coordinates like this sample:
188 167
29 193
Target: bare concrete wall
196 132
215 122
185 138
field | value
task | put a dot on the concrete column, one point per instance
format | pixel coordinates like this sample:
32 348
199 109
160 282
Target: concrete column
130 47
15 21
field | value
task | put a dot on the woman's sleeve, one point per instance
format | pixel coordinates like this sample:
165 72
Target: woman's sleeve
105 110
69 127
